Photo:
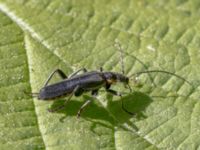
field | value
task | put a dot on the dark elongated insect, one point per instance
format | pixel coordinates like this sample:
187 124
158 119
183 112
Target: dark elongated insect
77 84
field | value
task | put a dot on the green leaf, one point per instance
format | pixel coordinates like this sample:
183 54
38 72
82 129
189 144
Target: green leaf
37 37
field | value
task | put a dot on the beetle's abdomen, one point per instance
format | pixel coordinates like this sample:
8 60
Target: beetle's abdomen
56 90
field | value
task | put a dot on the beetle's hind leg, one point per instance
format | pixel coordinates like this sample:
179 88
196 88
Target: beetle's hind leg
60 72
101 69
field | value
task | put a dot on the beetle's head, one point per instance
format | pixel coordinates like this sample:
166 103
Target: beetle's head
112 77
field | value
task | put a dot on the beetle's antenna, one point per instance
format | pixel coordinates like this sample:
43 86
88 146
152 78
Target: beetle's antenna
162 71
118 46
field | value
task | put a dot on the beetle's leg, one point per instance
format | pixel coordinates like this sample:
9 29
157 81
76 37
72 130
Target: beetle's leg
75 73
114 92
101 69
60 72
78 92
119 94
94 94
128 86
76 89
83 107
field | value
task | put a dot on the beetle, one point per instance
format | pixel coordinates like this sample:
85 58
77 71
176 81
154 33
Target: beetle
78 84
89 81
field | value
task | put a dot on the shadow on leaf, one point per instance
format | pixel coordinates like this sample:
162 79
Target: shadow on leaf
135 102
114 114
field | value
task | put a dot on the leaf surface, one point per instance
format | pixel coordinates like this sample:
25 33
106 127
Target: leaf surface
37 37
